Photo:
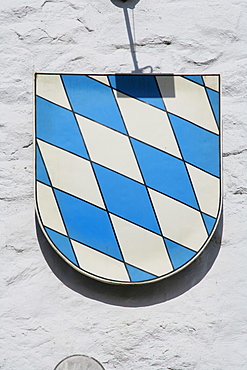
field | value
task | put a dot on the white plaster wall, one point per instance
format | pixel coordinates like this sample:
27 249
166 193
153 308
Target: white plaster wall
194 320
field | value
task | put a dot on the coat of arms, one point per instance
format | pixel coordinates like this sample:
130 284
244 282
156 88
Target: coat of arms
128 171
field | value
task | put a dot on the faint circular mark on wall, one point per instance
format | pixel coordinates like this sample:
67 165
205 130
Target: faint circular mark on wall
79 362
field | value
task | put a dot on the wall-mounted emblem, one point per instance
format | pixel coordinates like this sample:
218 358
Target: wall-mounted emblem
128 171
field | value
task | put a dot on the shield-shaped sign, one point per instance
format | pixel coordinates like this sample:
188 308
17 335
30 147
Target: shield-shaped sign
128 171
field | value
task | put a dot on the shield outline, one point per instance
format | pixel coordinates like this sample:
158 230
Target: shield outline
207 241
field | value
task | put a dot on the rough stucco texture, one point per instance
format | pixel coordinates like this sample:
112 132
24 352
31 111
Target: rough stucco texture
195 320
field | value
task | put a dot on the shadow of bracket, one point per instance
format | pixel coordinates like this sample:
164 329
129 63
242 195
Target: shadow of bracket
130 4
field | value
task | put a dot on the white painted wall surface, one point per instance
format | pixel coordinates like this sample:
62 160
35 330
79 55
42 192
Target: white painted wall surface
194 320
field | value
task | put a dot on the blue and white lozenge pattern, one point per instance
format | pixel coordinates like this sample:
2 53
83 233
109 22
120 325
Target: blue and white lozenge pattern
128 171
